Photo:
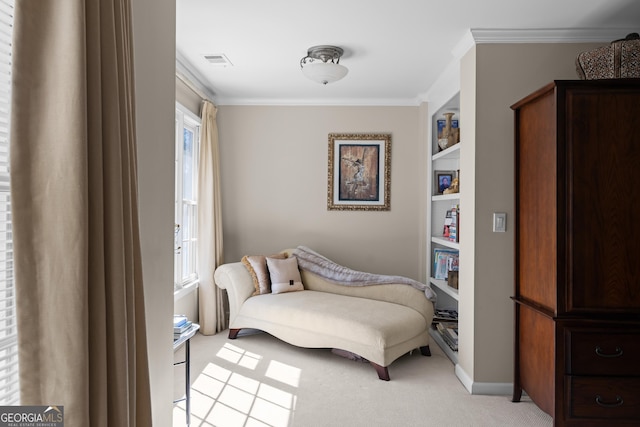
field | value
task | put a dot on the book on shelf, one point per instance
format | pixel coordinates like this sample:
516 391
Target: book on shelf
454 226
447 224
177 334
451 228
453 262
441 262
445 315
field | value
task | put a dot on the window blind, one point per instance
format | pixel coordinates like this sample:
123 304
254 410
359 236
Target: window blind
9 385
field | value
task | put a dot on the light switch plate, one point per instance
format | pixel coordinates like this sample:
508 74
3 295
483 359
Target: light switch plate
499 222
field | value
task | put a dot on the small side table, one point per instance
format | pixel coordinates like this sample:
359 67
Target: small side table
185 338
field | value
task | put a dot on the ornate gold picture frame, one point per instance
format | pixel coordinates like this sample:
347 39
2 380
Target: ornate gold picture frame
359 172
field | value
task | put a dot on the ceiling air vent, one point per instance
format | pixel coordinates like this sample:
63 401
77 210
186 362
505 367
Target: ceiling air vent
219 60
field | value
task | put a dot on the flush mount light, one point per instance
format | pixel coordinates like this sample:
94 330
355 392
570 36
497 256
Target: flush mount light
322 64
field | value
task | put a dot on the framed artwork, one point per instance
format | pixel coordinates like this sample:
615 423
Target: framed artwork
442 180
359 172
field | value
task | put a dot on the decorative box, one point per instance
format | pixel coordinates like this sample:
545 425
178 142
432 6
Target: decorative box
619 60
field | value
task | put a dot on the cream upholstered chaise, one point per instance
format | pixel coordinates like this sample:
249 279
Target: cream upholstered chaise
378 322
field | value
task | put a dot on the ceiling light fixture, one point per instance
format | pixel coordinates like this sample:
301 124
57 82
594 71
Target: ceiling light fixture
322 64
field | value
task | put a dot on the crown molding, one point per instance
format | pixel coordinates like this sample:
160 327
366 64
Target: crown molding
466 42
314 102
191 77
550 35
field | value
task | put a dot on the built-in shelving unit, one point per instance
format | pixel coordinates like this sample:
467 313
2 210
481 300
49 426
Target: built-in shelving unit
443 161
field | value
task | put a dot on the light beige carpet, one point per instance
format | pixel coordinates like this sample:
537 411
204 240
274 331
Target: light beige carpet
258 380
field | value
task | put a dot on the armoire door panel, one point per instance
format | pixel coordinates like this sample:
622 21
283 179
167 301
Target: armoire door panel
603 173
536 208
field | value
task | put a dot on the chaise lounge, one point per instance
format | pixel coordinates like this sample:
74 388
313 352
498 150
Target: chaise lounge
378 318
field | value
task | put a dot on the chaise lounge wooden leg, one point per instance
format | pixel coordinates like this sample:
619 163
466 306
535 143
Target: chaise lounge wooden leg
233 333
425 350
383 372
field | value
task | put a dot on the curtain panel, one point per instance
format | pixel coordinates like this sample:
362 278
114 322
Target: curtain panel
81 317
211 298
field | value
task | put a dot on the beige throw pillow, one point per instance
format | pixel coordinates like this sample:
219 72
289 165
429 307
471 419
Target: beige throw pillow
257 266
284 274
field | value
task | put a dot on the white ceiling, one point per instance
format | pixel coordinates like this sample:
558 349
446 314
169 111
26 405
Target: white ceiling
394 50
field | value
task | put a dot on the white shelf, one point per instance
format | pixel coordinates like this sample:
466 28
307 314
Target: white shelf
444 242
452 152
445 160
453 355
441 197
442 285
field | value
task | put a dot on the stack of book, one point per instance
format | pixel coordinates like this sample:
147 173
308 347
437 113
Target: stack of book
180 325
449 332
446 323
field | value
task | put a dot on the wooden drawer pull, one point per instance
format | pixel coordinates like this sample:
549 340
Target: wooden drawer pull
600 353
618 402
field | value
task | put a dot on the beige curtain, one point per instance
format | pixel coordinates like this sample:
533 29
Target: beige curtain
82 341
211 299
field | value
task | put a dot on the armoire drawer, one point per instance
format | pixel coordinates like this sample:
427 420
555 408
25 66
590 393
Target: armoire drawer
603 398
602 352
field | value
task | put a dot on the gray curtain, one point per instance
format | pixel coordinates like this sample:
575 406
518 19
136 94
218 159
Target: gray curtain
211 313
81 317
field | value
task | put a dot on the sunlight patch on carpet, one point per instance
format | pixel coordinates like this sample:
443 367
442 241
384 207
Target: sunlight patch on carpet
239 356
277 396
224 397
284 373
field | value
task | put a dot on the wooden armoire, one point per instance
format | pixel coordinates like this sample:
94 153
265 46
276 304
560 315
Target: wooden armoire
577 254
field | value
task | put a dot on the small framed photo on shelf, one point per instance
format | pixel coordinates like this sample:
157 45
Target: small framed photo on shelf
442 180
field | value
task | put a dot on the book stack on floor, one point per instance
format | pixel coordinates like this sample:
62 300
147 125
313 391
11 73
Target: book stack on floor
446 323
180 325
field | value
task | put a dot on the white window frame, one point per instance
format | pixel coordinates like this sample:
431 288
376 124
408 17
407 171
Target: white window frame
9 376
186 240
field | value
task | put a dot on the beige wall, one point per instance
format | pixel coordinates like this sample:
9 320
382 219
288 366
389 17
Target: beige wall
186 303
501 74
274 186
154 50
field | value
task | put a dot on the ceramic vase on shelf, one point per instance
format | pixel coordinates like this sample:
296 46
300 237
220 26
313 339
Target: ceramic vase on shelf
448 132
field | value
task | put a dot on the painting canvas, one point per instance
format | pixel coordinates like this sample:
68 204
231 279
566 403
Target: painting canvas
359 176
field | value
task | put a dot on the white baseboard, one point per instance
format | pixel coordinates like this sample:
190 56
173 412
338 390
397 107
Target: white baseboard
465 379
499 389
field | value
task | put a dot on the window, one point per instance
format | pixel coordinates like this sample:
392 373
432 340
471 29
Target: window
9 387
186 201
